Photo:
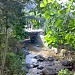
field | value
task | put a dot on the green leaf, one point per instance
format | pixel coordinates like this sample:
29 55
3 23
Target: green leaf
46 14
42 5
58 22
50 41
68 36
49 1
45 2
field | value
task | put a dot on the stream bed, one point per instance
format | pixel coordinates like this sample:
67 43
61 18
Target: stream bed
41 63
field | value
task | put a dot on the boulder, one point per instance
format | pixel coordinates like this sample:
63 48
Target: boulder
25 51
29 66
26 48
49 71
40 67
39 58
35 71
35 65
50 58
65 63
40 73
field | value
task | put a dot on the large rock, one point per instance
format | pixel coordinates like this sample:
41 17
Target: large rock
67 64
30 59
34 71
29 66
35 65
39 58
49 71
50 58
40 67
25 51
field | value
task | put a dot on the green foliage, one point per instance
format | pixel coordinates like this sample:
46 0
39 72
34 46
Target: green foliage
14 63
64 72
12 17
11 20
44 3
50 38
35 23
15 59
60 23
19 32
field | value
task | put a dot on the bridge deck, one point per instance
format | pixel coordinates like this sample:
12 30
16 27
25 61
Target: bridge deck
34 31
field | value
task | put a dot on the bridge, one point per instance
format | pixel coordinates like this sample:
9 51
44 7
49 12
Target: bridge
36 35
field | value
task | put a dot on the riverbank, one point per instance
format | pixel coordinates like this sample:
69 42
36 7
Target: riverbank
44 61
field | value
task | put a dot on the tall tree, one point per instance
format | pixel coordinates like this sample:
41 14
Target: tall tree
10 15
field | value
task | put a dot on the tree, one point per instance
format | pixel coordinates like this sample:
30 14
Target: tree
60 23
10 15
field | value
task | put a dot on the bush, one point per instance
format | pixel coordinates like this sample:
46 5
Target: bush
64 72
14 44
14 64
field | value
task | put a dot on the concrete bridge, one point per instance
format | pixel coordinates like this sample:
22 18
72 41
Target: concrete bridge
36 36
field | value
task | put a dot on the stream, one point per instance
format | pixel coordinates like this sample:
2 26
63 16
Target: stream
42 61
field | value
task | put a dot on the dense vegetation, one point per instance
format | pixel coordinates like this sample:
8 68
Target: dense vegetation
56 18
11 27
60 23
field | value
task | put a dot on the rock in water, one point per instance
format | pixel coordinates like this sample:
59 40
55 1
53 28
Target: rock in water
49 71
40 67
50 58
39 58
35 65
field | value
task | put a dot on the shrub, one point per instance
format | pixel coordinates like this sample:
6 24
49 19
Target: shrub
64 72
14 64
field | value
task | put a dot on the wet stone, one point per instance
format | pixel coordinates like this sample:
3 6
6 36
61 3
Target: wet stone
39 58
35 65
27 74
34 71
68 67
65 62
25 51
40 67
30 59
50 58
26 48
49 71
46 66
29 66
40 73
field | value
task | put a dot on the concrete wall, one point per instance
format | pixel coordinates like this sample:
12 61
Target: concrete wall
40 40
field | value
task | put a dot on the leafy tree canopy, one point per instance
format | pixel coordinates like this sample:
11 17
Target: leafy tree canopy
60 22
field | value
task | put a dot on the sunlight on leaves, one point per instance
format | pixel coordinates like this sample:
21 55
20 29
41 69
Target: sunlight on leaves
45 2
49 1
42 5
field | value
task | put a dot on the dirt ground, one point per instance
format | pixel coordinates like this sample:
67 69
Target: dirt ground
46 52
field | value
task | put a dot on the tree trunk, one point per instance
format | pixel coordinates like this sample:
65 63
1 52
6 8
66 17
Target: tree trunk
5 51
6 46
